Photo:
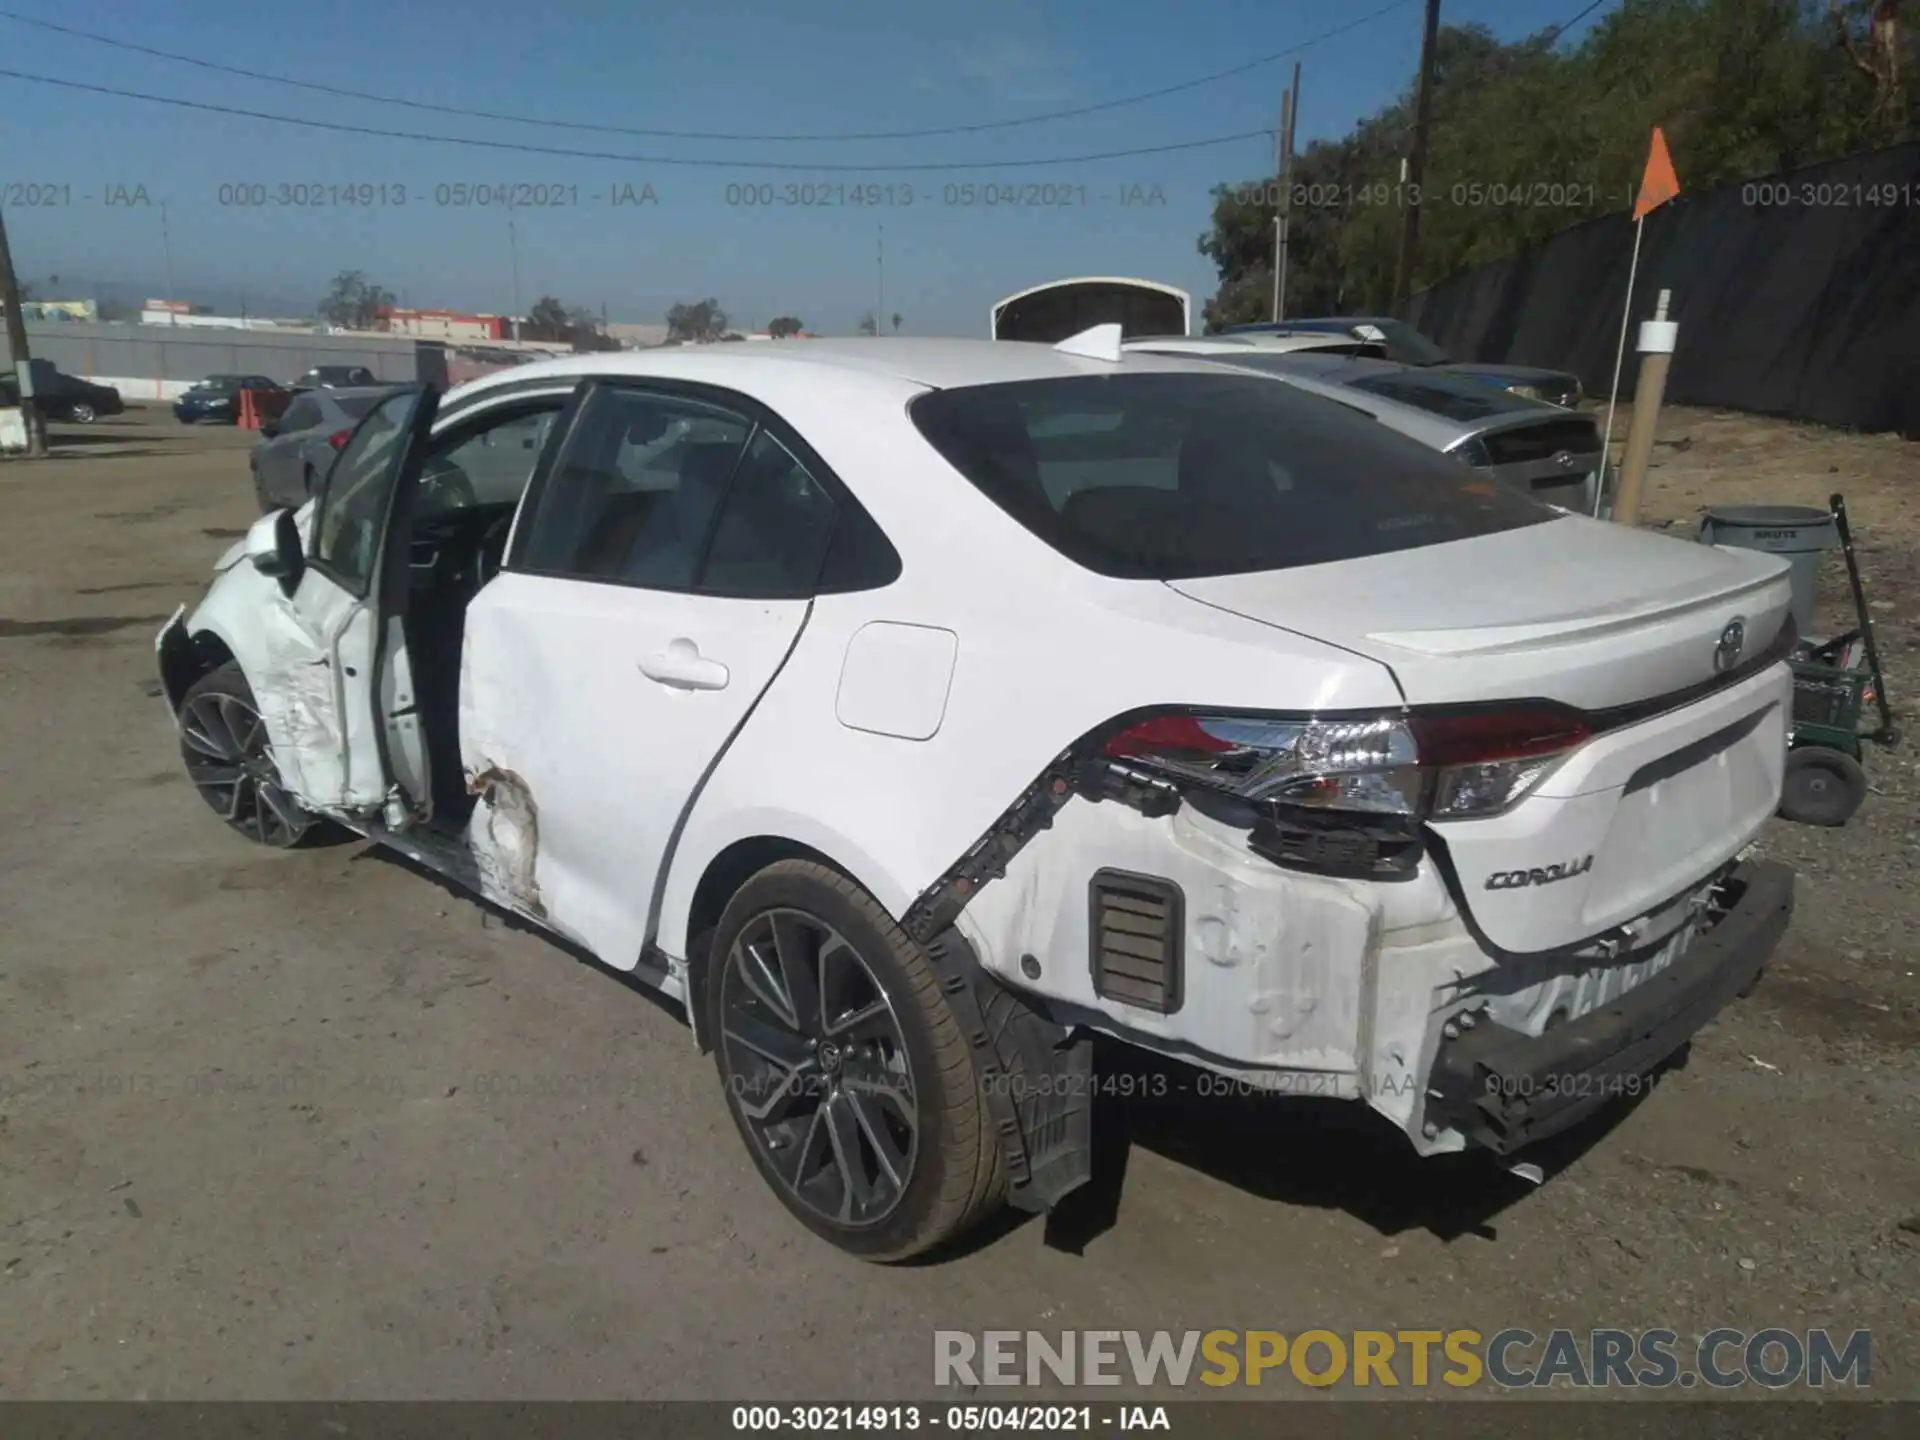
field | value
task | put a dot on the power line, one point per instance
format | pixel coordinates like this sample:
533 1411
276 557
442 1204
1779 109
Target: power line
663 160
473 114
1565 25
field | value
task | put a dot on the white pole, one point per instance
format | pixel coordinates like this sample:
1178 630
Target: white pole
1619 359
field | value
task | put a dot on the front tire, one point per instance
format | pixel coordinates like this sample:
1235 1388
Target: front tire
230 761
845 1070
82 414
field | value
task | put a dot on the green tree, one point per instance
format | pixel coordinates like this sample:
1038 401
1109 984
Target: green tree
869 325
783 327
354 302
702 320
1533 135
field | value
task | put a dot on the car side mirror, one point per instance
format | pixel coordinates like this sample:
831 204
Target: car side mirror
273 545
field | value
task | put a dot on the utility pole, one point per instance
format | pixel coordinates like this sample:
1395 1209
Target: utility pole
1283 212
166 249
513 248
30 415
1416 162
880 281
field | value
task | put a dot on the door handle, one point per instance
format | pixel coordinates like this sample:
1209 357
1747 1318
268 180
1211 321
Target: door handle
682 666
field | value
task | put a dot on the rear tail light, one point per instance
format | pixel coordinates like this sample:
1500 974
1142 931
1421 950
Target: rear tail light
1440 764
338 439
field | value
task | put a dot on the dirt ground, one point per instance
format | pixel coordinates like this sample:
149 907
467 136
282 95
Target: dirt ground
308 1126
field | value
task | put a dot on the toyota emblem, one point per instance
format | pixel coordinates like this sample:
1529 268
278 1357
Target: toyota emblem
1733 640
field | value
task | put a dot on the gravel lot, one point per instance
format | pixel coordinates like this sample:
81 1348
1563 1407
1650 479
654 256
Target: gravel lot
285 1125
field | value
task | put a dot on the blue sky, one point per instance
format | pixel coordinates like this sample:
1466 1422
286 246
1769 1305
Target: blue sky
732 66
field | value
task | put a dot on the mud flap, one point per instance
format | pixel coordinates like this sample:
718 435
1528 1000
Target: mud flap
1035 1076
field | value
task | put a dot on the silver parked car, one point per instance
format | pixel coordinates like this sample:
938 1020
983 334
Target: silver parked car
1543 450
295 451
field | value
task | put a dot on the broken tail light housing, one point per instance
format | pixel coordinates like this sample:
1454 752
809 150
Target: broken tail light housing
1440 763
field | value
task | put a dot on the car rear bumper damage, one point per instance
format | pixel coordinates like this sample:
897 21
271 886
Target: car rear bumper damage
1153 923
1504 1089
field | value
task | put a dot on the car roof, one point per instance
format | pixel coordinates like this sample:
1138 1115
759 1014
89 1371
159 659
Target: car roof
338 393
1257 342
932 364
1334 377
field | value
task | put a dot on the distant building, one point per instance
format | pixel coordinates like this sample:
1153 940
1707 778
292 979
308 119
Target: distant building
637 337
179 312
445 324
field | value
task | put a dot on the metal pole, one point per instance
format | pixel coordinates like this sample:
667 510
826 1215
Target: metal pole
166 247
1657 337
1286 197
1619 358
30 414
1280 199
880 283
1417 162
513 247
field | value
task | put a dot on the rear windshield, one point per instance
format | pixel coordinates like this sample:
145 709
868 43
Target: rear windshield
357 405
1456 400
1175 476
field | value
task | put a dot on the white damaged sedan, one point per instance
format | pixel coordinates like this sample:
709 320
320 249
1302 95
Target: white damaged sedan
914 711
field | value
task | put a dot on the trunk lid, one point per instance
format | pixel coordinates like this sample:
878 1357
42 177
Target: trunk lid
1581 611
1596 616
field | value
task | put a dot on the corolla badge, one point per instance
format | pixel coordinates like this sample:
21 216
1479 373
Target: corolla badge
1733 639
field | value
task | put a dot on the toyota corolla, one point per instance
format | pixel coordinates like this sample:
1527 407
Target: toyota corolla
912 712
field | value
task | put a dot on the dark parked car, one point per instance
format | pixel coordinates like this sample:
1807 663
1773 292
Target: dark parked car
335 377
66 398
218 397
1408 346
296 451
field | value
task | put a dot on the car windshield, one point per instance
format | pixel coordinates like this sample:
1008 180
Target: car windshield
1408 345
220 383
1174 476
1455 399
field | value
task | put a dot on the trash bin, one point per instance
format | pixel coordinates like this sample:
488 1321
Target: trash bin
1796 533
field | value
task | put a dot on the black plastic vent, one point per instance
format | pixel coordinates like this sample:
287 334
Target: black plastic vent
1135 924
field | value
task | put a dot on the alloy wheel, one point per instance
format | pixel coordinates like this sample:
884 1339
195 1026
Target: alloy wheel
230 761
817 1067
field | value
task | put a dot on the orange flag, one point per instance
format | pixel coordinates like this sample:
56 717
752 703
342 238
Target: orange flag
1659 184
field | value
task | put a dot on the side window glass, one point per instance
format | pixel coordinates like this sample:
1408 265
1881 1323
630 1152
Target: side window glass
487 467
353 506
773 530
635 491
302 414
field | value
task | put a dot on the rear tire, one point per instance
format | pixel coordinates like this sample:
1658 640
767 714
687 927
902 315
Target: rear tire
230 761
82 414
845 1070
1822 786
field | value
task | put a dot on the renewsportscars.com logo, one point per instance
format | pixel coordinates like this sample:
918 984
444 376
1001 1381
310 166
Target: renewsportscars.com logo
1512 1359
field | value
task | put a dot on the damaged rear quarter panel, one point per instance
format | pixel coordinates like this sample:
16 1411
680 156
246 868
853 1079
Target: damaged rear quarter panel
1034 669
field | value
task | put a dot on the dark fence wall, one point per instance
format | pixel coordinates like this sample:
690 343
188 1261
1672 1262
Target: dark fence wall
1797 295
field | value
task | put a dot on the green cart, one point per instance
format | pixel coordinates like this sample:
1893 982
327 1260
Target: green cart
1833 684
